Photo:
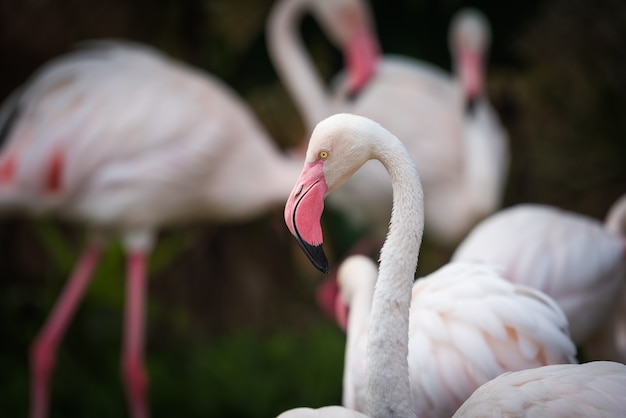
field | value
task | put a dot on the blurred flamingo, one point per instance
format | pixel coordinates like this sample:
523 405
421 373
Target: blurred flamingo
594 389
509 336
126 140
462 156
349 26
577 260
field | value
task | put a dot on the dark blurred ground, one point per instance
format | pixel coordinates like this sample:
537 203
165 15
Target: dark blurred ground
233 328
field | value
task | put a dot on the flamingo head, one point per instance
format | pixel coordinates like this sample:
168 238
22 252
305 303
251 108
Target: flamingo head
356 278
469 39
338 147
350 27
303 211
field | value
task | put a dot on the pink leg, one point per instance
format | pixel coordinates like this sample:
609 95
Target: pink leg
133 369
44 348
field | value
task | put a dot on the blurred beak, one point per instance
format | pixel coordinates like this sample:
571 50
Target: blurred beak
341 313
361 59
303 212
471 74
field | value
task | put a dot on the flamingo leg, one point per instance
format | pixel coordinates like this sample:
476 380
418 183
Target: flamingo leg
133 369
44 348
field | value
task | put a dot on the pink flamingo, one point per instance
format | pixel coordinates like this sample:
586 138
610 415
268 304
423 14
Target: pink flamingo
419 336
126 140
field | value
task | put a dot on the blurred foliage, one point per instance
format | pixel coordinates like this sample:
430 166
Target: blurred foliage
233 329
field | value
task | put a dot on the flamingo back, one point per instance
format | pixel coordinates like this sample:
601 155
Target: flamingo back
595 389
469 325
572 258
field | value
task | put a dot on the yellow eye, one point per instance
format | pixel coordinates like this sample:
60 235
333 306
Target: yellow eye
323 154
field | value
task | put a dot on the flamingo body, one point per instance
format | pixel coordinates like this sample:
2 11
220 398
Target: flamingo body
595 389
468 325
324 412
571 257
129 124
126 140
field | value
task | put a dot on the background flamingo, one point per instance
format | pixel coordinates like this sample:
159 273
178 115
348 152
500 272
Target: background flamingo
420 104
126 140
524 328
575 259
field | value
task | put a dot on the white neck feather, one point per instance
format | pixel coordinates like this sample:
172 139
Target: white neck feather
616 218
388 389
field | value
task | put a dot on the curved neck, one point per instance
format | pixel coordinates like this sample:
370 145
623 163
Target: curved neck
388 389
358 324
292 63
615 220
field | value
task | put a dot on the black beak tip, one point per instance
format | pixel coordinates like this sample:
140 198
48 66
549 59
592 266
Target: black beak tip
316 255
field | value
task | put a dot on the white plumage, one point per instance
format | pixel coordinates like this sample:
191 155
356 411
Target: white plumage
467 325
131 124
323 412
577 260
595 389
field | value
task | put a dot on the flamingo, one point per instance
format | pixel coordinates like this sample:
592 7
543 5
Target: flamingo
577 260
457 340
485 143
462 171
338 147
125 140
594 389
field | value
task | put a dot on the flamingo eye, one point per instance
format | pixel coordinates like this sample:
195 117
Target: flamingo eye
323 154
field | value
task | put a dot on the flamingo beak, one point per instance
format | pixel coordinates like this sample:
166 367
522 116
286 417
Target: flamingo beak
303 212
361 59
327 294
341 313
331 303
471 70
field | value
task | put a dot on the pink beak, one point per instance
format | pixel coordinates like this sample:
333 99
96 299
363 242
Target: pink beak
471 73
330 302
361 59
303 212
